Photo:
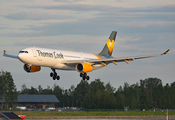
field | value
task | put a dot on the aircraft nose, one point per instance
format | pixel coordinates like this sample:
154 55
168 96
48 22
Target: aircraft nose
20 56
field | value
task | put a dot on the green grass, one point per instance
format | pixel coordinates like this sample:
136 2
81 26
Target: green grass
108 113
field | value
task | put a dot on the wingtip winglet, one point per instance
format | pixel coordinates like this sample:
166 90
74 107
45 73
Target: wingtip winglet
166 52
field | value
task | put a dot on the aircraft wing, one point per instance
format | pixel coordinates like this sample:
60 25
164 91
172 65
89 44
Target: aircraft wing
114 60
11 56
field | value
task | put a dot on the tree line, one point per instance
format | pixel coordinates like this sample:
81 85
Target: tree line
147 94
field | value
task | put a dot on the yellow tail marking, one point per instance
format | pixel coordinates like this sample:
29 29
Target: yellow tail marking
110 45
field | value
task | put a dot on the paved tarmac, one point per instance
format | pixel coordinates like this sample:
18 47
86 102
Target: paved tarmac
141 118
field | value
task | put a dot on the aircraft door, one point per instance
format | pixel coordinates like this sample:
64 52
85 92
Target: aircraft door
34 53
82 57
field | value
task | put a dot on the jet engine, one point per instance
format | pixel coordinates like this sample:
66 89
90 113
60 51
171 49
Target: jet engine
31 68
84 67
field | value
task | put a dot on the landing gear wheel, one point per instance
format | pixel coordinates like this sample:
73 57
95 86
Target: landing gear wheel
81 74
87 77
84 77
54 75
58 77
51 74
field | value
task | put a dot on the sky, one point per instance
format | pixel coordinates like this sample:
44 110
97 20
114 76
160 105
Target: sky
143 28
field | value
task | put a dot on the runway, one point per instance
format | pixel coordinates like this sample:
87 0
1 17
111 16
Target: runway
122 118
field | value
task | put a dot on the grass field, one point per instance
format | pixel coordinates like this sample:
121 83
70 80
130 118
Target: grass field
108 113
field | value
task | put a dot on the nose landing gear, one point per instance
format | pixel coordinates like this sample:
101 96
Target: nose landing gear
54 75
84 76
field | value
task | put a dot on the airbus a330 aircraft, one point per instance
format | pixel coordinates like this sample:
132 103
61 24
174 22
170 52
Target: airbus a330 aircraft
34 57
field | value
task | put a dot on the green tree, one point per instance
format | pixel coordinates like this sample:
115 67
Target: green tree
137 95
126 92
7 89
158 98
149 85
109 88
40 89
57 91
97 85
71 91
48 91
172 95
120 98
2 87
33 91
24 89
81 91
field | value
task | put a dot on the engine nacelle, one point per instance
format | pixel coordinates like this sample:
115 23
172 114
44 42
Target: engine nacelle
31 68
84 67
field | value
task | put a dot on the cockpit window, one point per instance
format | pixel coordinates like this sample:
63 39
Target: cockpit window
23 51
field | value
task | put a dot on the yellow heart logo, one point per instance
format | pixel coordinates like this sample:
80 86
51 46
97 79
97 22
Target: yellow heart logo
110 45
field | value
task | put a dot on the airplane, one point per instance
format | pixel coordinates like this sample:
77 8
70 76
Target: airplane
34 58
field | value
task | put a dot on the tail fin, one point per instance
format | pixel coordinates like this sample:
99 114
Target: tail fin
108 48
5 52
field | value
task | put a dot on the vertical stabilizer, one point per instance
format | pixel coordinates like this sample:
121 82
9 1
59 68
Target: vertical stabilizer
108 48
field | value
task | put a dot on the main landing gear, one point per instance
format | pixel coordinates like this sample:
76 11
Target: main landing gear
84 76
54 75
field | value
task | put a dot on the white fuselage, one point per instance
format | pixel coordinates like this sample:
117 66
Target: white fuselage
52 58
